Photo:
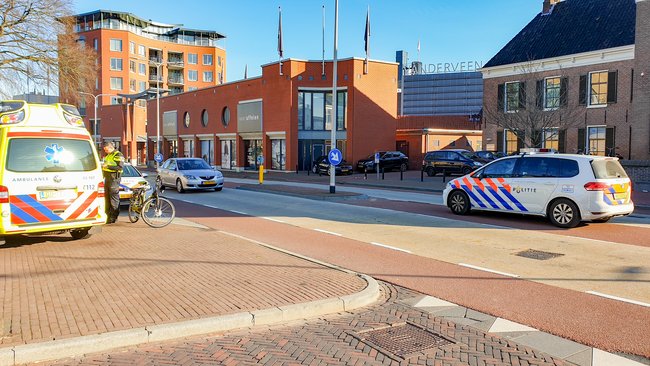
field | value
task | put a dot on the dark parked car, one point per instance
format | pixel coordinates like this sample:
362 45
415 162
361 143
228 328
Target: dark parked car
322 166
450 162
485 156
388 160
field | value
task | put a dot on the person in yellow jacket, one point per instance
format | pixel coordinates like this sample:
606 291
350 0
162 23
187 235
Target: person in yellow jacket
112 170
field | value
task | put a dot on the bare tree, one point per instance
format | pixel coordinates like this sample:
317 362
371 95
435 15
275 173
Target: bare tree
534 107
38 43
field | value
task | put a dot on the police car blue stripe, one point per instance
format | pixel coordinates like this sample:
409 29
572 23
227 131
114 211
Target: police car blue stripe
607 200
39 207
513 199
473 196
501 200
488 199
15 210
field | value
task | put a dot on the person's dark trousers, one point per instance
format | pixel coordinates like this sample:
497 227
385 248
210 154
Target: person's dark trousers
112 199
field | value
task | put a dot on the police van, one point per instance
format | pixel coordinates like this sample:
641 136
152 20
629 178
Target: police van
565 188
50 175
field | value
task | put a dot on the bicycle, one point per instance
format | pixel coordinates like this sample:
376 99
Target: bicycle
156 211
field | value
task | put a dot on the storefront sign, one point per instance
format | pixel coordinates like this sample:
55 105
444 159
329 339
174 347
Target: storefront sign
249 116
169 123
446 67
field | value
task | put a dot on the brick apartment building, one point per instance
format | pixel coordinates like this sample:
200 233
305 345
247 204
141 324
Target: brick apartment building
589 60
136 57
283 119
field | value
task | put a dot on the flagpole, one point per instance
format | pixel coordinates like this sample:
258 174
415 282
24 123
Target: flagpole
334 94
323 65
280 48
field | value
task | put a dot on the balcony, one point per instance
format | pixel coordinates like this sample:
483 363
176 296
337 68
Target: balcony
153 78
175 63
155 61
175 80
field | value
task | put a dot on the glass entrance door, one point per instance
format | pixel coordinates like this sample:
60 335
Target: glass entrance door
253 150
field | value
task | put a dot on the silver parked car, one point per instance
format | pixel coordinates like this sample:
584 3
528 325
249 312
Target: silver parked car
189 174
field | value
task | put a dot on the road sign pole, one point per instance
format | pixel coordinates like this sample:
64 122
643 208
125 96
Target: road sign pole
334 91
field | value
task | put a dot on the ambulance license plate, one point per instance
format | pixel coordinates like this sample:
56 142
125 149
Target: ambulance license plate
53 194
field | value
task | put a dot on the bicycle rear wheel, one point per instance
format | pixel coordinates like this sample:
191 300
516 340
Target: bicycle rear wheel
158 212
134 215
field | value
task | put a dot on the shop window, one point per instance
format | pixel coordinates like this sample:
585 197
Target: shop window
278 154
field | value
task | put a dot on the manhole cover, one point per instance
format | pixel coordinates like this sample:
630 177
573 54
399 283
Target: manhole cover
404 340
538 254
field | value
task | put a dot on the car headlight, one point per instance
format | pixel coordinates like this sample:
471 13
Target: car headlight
190 177
218 175
476 163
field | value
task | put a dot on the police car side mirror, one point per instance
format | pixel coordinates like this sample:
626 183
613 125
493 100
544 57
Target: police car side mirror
144 175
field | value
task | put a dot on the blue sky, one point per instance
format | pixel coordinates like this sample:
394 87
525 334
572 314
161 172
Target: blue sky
449 30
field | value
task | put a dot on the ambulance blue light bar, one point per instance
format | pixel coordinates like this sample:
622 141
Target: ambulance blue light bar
12 112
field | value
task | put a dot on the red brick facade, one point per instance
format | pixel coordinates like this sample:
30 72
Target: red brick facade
371 110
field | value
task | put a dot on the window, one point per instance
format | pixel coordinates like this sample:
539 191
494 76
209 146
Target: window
141 50
192 75
538 167
142 86
512 142
132 47
513 94
132 84
26 155
500 169
186 119
551 138
142 69
598 88
225 116
315 111
95 44
207 59
116 45
207 76
132 66
278 154
596 140
192 58
219 60
116 84
116 64
116 100
552 90
192 88
204 117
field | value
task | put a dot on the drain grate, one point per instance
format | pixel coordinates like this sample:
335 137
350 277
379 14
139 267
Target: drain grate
538 254
404 340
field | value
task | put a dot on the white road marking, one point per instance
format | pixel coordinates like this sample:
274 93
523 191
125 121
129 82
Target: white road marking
488 270
272 219
389 247
328 232
619 298
239 212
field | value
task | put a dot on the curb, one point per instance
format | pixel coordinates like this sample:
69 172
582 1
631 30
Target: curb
300 195
77 346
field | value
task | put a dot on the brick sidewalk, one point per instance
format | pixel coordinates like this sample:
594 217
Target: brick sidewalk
131 276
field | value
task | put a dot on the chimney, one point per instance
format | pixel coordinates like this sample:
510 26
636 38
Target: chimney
547 7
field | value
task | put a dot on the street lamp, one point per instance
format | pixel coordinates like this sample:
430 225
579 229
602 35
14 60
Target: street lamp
159 80
95 132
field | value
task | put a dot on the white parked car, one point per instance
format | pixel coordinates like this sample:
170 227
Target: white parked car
131 177
189 174
565 188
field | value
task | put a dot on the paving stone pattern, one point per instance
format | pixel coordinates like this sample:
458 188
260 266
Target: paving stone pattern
332 340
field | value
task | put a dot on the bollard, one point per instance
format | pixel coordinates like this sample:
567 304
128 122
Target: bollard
422 175
382 173
261 178
296 168
401 175
444 176
308 171
365 173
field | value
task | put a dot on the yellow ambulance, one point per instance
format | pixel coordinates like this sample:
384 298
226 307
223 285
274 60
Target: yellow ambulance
50 174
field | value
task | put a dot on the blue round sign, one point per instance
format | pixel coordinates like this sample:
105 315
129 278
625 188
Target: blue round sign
158 157
260 160
335 157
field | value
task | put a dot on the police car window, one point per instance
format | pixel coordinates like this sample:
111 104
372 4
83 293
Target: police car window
533 167
500 169
569 168
604 169
50 155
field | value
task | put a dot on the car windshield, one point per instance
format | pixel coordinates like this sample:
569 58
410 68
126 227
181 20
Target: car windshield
129 171
467 154
193 164
32 155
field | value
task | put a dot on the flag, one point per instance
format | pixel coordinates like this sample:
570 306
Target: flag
366 36
280 50
246 71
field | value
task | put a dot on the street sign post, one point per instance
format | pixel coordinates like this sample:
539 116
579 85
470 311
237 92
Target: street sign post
377 164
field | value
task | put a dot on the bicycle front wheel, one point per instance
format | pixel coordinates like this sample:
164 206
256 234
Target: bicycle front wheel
158 212
134 215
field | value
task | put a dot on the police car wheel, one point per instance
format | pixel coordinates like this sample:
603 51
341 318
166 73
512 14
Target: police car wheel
179 186
458 202
564 213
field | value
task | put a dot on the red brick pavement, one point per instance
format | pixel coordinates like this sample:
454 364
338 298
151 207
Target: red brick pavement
131 276
331 340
